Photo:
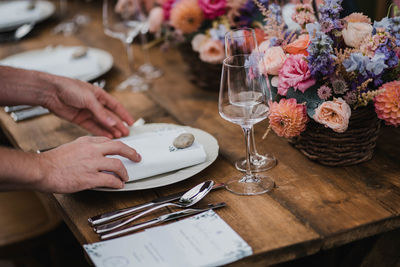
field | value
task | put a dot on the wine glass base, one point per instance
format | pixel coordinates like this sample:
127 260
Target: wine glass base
134 83
258 163
245 186
150 72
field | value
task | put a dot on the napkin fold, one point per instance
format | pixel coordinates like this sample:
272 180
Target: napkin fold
159 155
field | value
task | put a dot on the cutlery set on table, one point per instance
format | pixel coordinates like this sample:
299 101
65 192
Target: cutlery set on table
117 223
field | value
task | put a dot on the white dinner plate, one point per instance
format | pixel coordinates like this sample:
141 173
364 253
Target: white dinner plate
15 13
208 141
59 60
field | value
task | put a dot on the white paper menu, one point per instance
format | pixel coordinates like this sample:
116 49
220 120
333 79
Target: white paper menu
201 240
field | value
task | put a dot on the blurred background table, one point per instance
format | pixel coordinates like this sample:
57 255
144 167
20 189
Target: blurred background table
313 209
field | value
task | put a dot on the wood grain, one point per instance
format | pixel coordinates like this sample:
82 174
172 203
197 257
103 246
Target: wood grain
313 207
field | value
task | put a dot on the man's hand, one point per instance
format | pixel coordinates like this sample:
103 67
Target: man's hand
82 164
90 107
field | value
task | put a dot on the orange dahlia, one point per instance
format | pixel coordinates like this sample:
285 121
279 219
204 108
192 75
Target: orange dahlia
186 16
387 103
287 118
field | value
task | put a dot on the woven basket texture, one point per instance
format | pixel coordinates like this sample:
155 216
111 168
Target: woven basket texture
202 74
354 146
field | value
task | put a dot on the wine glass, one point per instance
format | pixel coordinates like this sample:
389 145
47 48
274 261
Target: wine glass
244 100
243 41
125 25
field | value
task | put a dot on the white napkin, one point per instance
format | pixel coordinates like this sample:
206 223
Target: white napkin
159 155
58 61
17 12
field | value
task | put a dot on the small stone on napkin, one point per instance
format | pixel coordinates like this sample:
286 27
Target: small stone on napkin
184 140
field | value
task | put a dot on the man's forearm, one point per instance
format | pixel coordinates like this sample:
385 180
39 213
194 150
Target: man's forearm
19 170
18 86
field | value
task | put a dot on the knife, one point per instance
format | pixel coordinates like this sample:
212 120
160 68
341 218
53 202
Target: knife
161 219
28 113
110 216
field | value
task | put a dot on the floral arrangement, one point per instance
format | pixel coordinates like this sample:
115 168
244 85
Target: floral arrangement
329 66
204 23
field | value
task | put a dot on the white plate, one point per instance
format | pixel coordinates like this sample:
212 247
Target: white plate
59 61
207 140
15 13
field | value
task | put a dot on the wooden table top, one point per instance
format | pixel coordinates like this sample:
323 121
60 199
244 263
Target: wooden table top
313 207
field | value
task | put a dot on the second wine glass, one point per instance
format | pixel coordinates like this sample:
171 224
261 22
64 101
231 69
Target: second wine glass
243 99
244 41
125 25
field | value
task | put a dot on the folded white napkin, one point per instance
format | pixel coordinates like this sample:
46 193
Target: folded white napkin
159 155
17 12
58 61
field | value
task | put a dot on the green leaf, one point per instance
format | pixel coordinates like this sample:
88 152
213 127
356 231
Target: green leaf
309 97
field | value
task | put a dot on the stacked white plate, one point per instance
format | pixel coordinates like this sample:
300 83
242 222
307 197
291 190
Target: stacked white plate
60 60
16 13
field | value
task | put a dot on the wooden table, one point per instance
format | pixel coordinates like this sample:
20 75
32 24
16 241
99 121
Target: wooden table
313 208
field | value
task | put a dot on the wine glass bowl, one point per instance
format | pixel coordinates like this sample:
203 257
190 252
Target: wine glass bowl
243 100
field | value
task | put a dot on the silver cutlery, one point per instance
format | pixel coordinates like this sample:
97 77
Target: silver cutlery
161 219
188 199
17 34
9 109
113 215
25 114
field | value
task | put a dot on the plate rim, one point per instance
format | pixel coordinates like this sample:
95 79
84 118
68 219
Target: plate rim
97 51
206 163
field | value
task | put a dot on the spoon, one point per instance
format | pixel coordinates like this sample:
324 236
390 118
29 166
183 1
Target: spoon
188 199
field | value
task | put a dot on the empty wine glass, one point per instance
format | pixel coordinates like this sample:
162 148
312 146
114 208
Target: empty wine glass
125 25
243 41
243 99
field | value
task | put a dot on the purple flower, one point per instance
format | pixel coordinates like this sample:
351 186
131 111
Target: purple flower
324 92
339 86
218 33
356 62
377 64
330 15
350 98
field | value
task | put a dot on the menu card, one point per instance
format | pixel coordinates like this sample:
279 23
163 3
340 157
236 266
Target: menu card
202 240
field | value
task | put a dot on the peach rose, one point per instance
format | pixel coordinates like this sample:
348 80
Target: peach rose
198 41
355 33
212 51
156 18
299 46
274 58
334 114
264 46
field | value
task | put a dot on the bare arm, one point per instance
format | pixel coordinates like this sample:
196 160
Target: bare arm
79 102
72 167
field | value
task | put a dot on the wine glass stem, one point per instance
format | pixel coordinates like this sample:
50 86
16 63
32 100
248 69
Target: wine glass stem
129 52
146 55
253 143
247 134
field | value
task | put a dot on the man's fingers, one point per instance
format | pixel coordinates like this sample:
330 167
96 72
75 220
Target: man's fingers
115 166
107 180
119 148
95 129
112 104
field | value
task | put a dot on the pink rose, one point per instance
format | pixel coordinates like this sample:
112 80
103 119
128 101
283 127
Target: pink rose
212 51
198 41
213 8
355 33
294 73
274 58
334 114
156 18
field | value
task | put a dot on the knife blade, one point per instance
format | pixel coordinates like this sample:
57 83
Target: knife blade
161 219
110 216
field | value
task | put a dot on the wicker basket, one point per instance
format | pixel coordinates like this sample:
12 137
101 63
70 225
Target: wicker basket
204 75
354 146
